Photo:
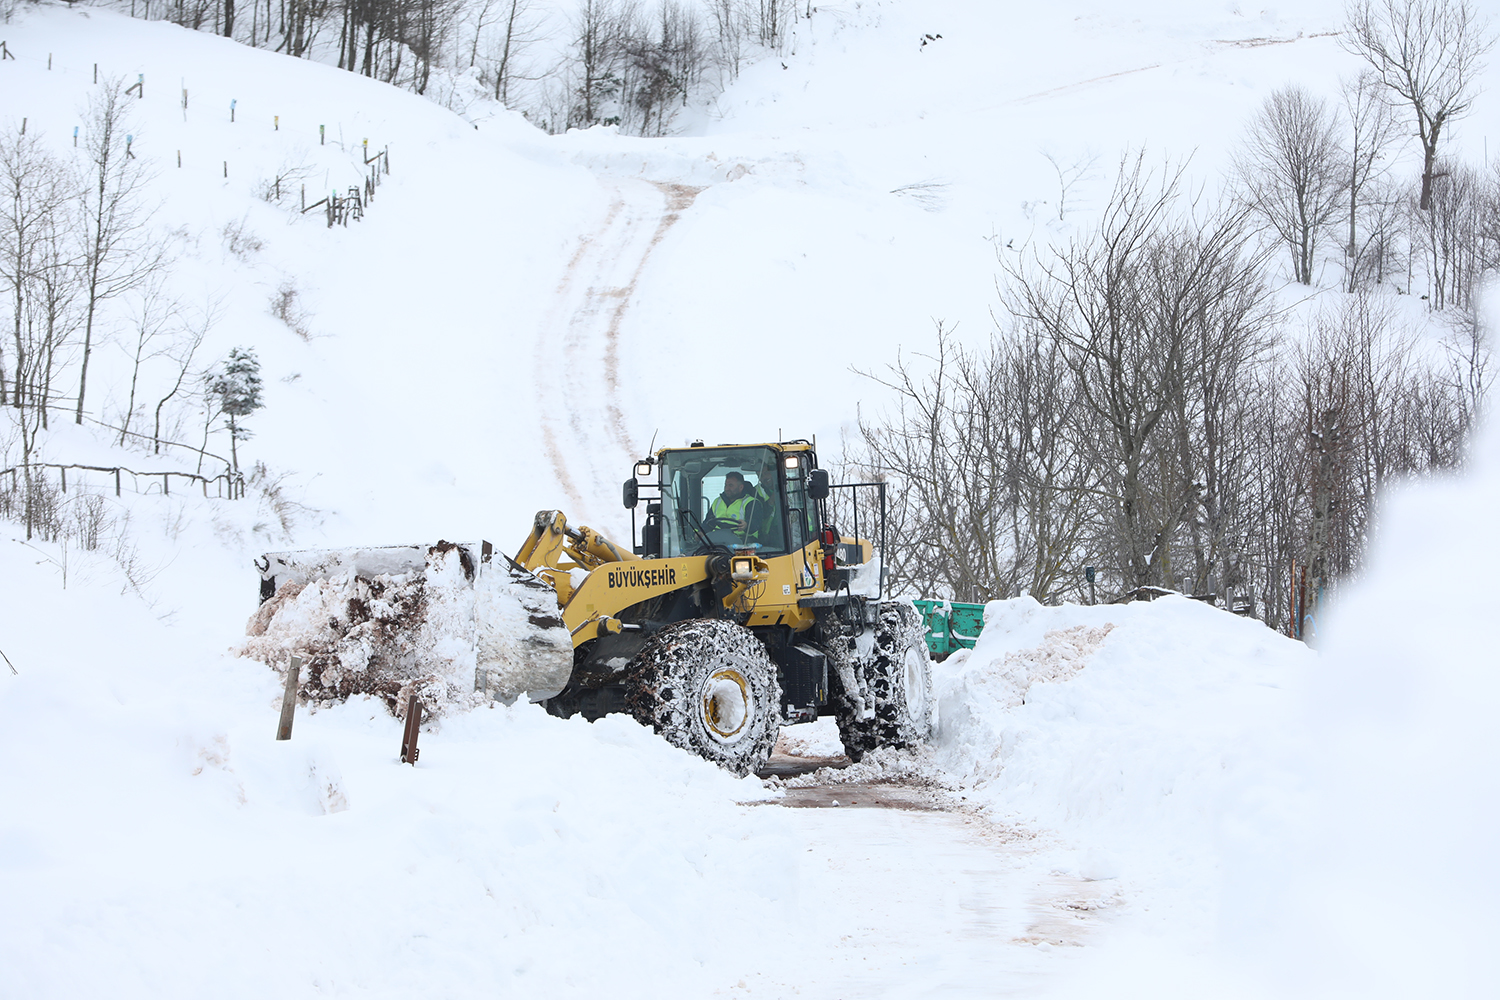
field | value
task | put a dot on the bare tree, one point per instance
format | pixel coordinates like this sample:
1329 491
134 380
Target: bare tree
1468 375
1370 132
519 27
55 293
1070 176
32 196
181 354
1289 168
729 35
116 253
1450 234
153 326
1429 54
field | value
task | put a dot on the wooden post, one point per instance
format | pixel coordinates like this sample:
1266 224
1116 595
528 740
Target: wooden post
64 470
117 482
166 486
409 751
289 699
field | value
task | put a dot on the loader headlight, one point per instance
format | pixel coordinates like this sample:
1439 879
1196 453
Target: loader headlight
742 570
643 470
791 461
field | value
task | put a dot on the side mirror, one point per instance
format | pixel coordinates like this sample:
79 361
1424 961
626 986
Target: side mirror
817 484
632 493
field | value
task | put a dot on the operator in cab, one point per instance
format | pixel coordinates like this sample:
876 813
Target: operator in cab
739 506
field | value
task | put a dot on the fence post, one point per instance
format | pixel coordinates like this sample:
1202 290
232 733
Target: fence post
409 751
117 482
166 485
64 470
289 699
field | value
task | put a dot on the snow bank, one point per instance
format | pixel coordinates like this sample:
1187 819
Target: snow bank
1132 732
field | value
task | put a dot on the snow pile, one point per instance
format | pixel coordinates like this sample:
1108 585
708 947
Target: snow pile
1131 731
811 739
455 632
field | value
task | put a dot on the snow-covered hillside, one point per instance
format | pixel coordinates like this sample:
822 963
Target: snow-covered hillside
1204 806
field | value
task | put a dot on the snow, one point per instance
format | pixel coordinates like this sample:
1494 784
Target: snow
1158 799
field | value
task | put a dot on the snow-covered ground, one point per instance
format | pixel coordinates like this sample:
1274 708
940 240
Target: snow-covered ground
1157 799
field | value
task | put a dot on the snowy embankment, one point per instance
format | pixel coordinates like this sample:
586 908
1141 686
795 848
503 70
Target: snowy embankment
1132 732
157 842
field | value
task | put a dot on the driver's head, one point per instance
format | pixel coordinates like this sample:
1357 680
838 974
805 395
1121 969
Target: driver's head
734 485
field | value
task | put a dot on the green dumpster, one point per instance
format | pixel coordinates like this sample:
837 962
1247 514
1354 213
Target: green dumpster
951 626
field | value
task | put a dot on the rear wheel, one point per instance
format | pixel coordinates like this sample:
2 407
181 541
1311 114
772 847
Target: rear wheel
709 687
893 704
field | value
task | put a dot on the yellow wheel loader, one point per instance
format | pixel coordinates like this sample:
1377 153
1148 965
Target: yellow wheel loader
737 607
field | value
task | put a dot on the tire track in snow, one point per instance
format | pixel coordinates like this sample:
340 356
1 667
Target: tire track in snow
578 349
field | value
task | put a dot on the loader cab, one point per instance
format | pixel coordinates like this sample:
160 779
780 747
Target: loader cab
774 516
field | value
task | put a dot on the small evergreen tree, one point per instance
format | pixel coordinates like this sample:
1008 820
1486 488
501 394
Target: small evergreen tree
237 388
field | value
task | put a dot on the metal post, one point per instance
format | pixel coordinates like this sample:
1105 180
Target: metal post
409 751
1088 574
289 699
117 482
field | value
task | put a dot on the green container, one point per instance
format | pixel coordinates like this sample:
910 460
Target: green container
951 626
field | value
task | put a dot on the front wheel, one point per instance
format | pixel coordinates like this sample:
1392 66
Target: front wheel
893 704
709 687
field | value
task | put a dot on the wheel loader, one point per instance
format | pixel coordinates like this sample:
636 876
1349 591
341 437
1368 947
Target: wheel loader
716 625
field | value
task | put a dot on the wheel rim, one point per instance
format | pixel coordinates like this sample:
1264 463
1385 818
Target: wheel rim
914 680
728 705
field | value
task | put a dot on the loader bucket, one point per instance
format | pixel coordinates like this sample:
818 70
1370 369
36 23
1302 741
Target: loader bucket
454 622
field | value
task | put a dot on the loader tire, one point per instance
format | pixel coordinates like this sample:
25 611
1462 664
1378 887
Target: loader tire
894 707
709 687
